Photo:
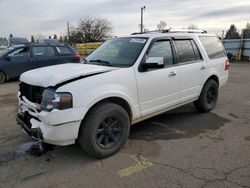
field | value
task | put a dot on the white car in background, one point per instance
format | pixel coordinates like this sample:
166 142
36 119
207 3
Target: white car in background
125 81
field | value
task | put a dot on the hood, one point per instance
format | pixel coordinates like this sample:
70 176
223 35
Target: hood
57 74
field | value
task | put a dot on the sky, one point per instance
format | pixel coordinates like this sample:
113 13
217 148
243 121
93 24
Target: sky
24 18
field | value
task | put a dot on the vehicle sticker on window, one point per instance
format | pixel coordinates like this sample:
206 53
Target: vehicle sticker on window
138 40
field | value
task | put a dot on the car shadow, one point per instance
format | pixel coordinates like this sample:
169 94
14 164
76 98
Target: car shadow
184 122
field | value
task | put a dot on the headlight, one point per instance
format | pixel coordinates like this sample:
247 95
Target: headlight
53 100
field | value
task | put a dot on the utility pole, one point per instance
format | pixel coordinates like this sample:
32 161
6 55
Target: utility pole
241 44
68 29
142 9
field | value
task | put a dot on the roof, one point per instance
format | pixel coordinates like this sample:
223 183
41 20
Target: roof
171 33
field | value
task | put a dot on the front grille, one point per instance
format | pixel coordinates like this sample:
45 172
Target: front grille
32 93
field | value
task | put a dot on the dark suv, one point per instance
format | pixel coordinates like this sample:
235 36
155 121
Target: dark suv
18 59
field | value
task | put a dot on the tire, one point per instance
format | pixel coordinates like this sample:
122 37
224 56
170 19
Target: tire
104 130
2 77
208 97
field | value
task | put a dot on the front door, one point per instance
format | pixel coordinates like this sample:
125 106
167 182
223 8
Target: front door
17 62
159 88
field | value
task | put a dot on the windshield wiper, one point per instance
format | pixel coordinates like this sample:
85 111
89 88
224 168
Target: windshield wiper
102 62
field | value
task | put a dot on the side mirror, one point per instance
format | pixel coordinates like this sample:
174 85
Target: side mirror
153 63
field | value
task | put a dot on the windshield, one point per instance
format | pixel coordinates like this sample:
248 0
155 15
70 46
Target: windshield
4 52
119 52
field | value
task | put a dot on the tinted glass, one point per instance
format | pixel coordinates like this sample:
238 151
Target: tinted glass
162 49
196 51
62 50
6 51
185 51
213 47
121 52
20 53
39 51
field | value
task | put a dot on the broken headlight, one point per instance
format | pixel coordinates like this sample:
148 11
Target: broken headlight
56 100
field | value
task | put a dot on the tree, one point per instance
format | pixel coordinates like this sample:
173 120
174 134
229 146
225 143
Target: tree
32 40
55 36
65 39
61 39
193 27
91 29
232 33
49 37
161 26
246 31
11 35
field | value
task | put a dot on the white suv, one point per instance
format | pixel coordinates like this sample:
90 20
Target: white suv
126 80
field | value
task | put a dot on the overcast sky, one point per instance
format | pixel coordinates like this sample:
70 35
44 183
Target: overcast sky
30 17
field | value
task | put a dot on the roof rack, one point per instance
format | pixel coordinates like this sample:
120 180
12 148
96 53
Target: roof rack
172 31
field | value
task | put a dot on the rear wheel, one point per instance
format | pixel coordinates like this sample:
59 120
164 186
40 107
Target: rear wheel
2 77
105 130
208 97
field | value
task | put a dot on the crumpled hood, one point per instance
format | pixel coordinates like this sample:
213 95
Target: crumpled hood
53 75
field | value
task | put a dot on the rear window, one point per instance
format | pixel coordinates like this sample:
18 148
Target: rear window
213 47
39 51
63 50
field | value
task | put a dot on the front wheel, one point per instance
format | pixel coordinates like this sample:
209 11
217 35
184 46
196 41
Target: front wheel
2 77
208 97
104 130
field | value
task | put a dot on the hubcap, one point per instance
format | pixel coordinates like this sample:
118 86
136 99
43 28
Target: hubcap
211 96
108 133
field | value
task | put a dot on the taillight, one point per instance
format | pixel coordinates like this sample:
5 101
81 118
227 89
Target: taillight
77 56
227 65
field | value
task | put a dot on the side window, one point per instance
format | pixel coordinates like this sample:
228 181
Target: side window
63 50
43 51
20 53
196 51
185 51
213 47
162 49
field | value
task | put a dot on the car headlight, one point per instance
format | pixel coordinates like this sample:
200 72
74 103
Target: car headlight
56 100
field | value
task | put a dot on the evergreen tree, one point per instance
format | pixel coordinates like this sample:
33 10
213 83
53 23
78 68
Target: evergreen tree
11 35
55 36
232 33
61 39
32 39
49 37
65 39
246 31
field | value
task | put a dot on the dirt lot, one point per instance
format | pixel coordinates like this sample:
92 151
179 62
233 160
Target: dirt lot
181 148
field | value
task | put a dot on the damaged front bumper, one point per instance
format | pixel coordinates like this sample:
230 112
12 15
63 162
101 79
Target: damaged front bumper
58 127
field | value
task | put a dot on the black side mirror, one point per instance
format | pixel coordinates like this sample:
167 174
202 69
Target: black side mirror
153 63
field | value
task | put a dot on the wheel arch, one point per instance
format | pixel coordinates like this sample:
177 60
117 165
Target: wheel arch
116 100
213 77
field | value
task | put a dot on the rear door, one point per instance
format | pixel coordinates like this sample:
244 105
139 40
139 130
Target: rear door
43 56
159 88
192 68
66 55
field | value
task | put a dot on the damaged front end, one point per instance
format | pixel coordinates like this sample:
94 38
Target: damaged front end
48 116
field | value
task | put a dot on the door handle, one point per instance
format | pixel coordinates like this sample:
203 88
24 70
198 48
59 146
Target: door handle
203 67
172 74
